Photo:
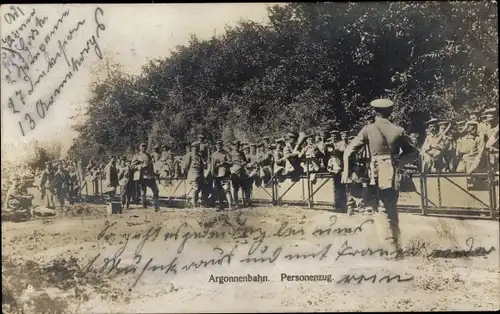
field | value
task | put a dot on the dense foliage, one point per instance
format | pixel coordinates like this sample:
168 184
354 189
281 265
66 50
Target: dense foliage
312 65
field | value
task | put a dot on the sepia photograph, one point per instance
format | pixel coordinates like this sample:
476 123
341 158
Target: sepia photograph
250 157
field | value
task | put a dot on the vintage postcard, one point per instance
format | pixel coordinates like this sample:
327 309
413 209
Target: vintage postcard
251 157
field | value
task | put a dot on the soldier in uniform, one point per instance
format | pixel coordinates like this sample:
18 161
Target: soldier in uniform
390 149
266 142
279 158
308 154
292 162
195 173
125 176
265 162
447 158
470 149
142 163
238 173
112 175
61 185
156 154
220 169
47 182
342 144
432 149
321 151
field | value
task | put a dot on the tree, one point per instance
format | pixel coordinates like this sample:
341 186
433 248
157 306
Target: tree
313 64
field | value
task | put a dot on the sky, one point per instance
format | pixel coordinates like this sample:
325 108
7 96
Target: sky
128 34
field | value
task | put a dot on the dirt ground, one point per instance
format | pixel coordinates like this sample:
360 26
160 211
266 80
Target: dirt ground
43 262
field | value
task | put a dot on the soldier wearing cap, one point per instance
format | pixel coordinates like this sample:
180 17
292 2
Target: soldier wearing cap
291 152
238 174
279 157
195 165
321 151
308 155
61 182
142 163
342 144
47 185
339 144
156 154
112 174
265 163
125 176
390 149
431 148
470 149
252 168
448 160
219 166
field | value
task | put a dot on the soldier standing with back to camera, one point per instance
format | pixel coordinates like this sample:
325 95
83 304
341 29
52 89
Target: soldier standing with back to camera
390 149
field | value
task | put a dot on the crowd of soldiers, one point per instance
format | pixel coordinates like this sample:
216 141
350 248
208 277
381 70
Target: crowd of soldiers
219 172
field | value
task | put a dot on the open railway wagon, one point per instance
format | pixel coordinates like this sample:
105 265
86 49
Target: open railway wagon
445 194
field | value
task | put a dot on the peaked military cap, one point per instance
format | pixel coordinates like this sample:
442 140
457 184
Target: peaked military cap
334 132
291 134
253 144
272 145
143 144
472 122
195 143
382 103
265 137
343 132
156 146
444 122
280 140
260 145
491 110
431 121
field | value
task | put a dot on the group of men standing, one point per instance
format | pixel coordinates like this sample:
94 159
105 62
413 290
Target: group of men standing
469 146
219 173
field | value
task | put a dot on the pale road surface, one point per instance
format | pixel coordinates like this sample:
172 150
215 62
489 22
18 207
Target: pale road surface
459 283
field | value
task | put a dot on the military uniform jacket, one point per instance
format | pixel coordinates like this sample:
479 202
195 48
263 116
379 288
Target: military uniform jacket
143 164
196 166
217 159
470 145
388 144
125 174
111 174
238 157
